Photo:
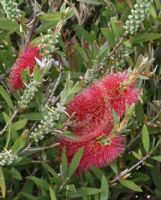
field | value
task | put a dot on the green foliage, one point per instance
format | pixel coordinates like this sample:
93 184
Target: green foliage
81 41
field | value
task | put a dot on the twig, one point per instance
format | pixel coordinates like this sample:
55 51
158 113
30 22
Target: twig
32 23
9 121
115 48
74 10
132 141
31 150
54 89
127 171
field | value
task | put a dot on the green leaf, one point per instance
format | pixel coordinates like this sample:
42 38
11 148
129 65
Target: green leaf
20 124
95 2
114 167
80 192
102 52
2 183
152 11
64 163
39 182
49 20
16 174
50 170
89 178
139 111
104 189
145 37
36 73
158 193
109 36
28 196
97 172
137 155
75 162
157 144
131 185
83 34
54 17
20 142
158 4
156 178
145 138
6 97
82 53
69 90
157 158
52 193
9 25
31 116
140 176
115 117
117 27
5 116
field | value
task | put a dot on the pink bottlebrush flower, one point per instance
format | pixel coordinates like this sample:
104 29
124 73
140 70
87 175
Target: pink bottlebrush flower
92 108
26 59
95 153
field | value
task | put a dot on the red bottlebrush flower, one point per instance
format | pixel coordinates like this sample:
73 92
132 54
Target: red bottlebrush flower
95 152
26 59
92 113
91 108
93 121
117 96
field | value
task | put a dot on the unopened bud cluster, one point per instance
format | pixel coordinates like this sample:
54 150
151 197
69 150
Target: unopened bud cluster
11 9
46 124
137 16
7 158
48 41
29 93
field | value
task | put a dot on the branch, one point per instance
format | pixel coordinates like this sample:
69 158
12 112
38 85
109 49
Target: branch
115 48
126 172
33 150
9 121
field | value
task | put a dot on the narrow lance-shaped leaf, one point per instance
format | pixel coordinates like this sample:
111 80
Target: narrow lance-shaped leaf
6 97
2 183
20 142
131 185
157 158
64 163
104 189
52 193
75 162
145 138
95 2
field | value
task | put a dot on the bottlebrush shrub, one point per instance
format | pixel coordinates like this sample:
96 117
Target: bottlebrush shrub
25 60
92 114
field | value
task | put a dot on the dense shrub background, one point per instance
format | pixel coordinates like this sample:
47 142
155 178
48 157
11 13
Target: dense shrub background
91 42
